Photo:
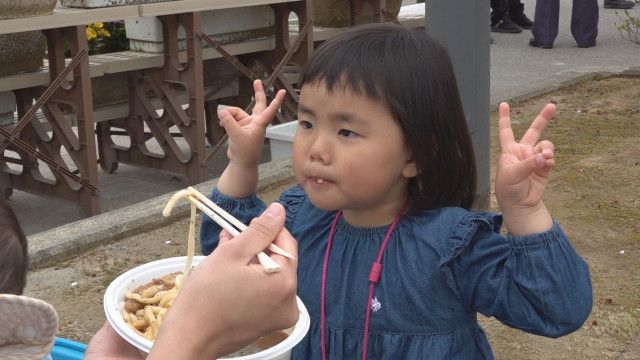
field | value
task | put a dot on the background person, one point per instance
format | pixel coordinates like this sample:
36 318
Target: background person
584 23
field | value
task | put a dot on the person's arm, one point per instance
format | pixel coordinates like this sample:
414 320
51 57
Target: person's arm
228 301
523 173
536 283
246 137
106 344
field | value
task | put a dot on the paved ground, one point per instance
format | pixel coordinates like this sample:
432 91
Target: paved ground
516 70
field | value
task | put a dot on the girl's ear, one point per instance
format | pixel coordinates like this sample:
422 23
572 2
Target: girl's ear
410 169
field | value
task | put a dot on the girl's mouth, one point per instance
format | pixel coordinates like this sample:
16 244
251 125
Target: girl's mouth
319 180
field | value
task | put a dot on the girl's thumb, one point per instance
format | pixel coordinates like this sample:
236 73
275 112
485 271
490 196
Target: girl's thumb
524 168
228 122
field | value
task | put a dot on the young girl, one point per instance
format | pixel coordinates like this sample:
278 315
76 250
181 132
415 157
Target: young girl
392 263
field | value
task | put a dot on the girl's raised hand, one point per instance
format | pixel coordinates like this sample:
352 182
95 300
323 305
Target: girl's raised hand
246 132
523 171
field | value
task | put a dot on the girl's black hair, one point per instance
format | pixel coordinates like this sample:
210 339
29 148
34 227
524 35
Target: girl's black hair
413 75
14 259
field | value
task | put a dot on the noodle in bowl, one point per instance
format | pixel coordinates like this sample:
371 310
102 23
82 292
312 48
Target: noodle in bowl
114 297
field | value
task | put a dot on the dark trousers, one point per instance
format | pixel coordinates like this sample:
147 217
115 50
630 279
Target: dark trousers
500 8
584 21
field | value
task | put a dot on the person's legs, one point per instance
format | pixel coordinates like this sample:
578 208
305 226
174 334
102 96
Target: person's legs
498 8
584 22
516 13
545 22
500 20
618 4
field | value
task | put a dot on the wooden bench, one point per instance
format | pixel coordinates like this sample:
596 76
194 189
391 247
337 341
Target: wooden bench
38 139
68 24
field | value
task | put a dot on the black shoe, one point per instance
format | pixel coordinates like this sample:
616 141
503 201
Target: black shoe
505 25
587 45
535 43
519 18
618 4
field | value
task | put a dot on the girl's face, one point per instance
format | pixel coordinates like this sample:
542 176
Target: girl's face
349 153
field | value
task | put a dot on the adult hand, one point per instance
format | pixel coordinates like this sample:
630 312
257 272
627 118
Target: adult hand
228 301
246 132
106 344
523 173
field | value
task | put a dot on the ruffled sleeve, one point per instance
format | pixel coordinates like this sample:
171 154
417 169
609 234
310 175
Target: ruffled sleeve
292 200
243 209
536 283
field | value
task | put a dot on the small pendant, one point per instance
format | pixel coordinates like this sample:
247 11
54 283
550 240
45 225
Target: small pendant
375 304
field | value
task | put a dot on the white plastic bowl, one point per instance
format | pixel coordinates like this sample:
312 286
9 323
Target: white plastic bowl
114 296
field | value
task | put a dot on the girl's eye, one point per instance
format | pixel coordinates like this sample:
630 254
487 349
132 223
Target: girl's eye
347 133
305 124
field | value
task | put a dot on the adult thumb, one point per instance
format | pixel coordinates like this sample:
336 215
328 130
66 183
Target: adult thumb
262 231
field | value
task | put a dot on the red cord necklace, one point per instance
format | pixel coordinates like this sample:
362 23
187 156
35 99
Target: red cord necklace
374 277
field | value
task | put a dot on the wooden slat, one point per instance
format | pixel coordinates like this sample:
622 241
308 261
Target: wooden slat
133 60
183 6
64 16
128 61
122 110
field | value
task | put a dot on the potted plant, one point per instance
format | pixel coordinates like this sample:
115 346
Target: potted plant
20 52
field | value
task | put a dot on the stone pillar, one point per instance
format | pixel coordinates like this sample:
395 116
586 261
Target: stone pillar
463 28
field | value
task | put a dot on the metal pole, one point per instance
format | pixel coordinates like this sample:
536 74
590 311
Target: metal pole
462 26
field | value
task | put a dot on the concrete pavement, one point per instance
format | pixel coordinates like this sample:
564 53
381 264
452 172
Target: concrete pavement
133 197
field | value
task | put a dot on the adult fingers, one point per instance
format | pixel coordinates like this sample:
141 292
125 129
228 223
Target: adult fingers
287 243
260 97
224 237
505 134
538 125
261 231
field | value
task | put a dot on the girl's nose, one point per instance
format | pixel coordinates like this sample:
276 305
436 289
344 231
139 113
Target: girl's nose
320 150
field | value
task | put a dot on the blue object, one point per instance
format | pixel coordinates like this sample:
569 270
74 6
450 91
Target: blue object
65 349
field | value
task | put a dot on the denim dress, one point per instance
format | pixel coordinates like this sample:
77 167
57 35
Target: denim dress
440 268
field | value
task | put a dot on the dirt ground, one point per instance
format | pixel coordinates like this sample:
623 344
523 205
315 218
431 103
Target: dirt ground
593 193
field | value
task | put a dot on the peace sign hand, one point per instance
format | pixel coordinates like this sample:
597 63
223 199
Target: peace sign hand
246 132
523 171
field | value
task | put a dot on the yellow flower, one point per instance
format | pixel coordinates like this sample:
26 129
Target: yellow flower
98 25
104 33
91 33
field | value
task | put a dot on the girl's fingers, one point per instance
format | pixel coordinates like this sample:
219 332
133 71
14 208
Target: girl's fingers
544 147
260 96
237 113
229 123
270 111
505 134
523 169
538 125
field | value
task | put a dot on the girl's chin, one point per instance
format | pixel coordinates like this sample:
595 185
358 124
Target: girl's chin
323 203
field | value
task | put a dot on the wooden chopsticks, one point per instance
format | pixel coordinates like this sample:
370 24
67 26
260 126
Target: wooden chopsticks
226 221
